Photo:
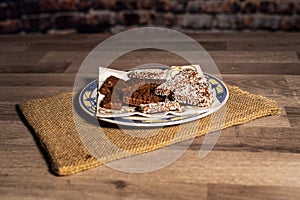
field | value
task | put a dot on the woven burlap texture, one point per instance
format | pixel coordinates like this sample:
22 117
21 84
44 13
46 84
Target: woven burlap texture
57 130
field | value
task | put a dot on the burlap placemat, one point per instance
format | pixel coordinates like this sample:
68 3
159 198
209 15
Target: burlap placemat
53 123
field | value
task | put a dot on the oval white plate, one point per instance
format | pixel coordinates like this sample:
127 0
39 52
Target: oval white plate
88 98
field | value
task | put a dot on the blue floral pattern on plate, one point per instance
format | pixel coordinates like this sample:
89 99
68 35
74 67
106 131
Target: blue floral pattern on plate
88 95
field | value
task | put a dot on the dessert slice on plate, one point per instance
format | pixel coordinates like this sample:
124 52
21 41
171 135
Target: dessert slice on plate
188 86
153 93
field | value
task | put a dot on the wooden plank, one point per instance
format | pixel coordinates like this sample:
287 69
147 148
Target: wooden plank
35 38
255 139
73 68
280 120
33 67
13 130
62 46
247 168
283 101
246 36
8 110
260 84
227 141
241 192
92 188
89 46
18 93
21 57
267 45
259 68
213 46
66 56
224 68
255 57
14 47
37 79
241 168
269 139
293 81
293 114
72 57
137 58
126 61
240 37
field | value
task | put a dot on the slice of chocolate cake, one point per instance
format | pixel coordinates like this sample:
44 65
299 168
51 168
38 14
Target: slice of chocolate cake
132 92
111 88
142 94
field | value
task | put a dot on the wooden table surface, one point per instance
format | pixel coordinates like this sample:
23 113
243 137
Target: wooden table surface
257 160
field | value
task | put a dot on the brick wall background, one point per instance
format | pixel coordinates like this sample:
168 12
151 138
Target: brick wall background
90 16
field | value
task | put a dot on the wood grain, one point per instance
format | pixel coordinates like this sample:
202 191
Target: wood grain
27 93
260 84
232 192
37 79
294 116
267 45
34 67
255 56
256 160
293 81
259 68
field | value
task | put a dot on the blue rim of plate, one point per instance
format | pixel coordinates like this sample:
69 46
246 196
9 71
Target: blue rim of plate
88 99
